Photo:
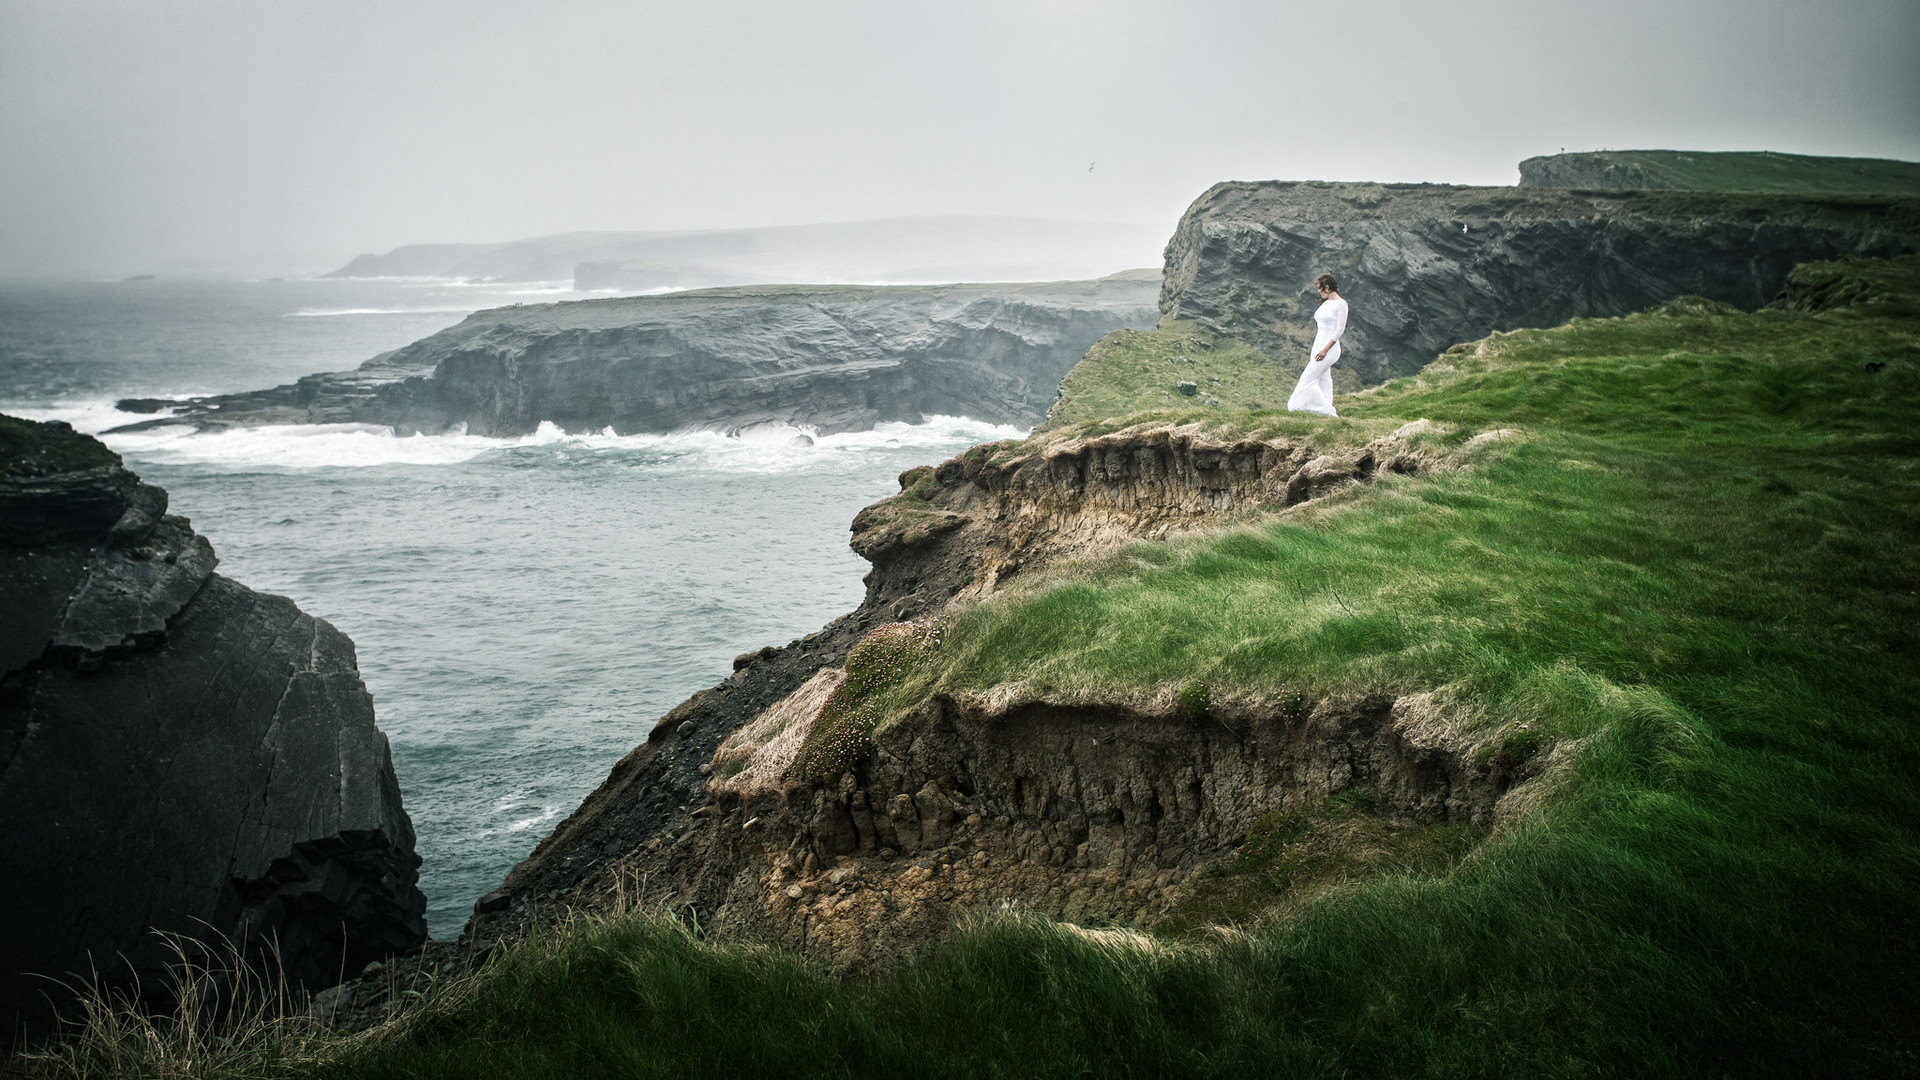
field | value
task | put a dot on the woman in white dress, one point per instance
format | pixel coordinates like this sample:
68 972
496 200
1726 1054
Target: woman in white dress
1314 394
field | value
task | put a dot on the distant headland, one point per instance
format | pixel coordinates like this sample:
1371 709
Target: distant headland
893 250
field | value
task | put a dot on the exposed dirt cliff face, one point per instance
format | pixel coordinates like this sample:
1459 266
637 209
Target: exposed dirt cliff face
1424 266
1085 809
838 358
1089 813
177 752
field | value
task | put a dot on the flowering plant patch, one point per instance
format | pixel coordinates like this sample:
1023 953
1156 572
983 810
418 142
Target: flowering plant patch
877 668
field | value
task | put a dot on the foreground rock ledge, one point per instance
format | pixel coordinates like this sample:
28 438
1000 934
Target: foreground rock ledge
177 751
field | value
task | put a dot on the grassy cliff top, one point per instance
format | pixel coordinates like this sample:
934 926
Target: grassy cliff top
1716 400
1747 171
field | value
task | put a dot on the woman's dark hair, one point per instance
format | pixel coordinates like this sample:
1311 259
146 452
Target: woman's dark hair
1325 281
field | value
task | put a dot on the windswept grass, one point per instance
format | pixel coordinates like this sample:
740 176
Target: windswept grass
229 1018
1685 491
1014 995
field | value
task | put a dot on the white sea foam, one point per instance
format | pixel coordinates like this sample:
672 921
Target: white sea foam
296 446
766 448
91 417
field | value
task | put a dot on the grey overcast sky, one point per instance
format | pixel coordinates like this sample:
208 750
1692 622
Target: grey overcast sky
288 135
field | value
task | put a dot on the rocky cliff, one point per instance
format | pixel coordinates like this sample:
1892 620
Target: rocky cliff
177 751
1086 809
1425 266
838 358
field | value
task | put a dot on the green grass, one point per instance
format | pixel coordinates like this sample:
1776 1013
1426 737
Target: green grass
1129 371
1765 171
1296 857
1695 556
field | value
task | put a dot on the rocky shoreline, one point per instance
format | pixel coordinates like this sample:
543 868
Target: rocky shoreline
833 358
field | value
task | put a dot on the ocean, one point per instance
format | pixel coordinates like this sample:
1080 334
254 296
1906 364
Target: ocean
523 609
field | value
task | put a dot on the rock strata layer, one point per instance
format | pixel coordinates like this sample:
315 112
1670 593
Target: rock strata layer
837 358
1424 266
177 752
1091 813
1088 810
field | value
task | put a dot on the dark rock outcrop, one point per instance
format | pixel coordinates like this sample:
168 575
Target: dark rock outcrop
838 358
177 751
1425 266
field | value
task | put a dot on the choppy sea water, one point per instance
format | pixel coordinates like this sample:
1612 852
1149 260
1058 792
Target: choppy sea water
523 609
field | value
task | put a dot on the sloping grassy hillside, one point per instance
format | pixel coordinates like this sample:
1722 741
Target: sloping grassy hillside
1764 171
1687 561
1694 555
1642 449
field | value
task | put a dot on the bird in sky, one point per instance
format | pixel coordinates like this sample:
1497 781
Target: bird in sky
1091 164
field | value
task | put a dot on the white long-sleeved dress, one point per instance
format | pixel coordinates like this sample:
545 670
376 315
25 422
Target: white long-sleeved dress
1314 393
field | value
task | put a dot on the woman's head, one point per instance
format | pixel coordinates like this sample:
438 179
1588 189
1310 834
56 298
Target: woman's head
1326 284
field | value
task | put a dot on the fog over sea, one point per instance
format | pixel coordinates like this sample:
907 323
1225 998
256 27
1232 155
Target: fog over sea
524 609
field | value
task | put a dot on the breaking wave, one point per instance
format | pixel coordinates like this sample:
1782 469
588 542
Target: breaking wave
766 448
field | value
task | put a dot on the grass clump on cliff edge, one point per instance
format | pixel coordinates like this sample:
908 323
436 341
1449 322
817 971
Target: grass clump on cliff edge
879 671
1291 858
